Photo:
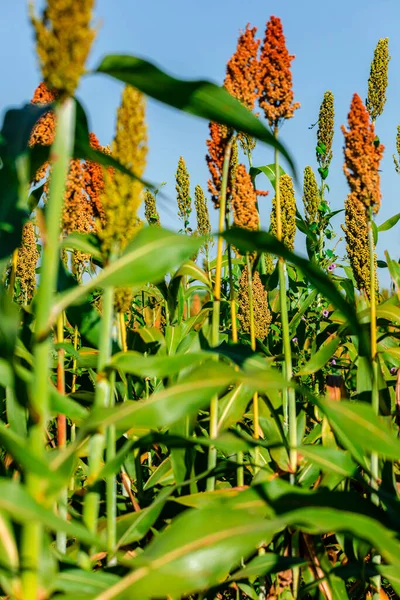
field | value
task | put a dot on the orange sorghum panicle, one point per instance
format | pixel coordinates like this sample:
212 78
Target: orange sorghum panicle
275 77
216 145
94 182
242 69
362 156
64 39
44 130
244 201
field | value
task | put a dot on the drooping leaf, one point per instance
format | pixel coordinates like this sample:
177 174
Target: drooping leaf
168 406
152 253
321 357
269 171
200 98
389 223
196 552
358 424
156 366
22 508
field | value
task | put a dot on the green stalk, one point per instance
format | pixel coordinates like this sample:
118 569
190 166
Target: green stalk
102 399
375 391
32 533
212 455
61 537
288 371
256 418
111 485
234 333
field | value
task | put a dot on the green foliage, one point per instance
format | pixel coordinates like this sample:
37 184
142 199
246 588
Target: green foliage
122 507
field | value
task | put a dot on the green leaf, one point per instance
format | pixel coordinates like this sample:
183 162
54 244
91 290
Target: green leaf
324 172
321 357
152 253
8 546
84 242
269 171
156 366
22 508
168 406
264 564
302 310
330 460
200 98
134 526
192 270
264 242
196 552
358 424
375 232
389 223
84 583
232 406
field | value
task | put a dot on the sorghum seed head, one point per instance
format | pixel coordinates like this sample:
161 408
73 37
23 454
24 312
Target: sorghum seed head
28 256
356 230
262 314
150 209
362 156
64 39
275 76
326 125
122 194
288 211
182 187
378 79
244 201
310 195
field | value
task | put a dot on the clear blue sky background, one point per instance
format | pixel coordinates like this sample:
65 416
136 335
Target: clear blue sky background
333 43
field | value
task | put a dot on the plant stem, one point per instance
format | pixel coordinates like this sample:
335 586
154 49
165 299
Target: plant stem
111 485
61 430
375 391
256 418
234 333
212 455
122 331
102 398
39 398
291 397
13 272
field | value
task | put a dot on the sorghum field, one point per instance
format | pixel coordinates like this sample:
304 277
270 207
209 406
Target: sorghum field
194 414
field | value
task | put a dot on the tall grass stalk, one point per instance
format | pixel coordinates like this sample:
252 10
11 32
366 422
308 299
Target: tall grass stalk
234 334
212 455
256 415
111 484
32 534
375 391
290 410
102 399
61 430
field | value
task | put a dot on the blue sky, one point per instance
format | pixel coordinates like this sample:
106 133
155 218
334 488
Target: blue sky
333 47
